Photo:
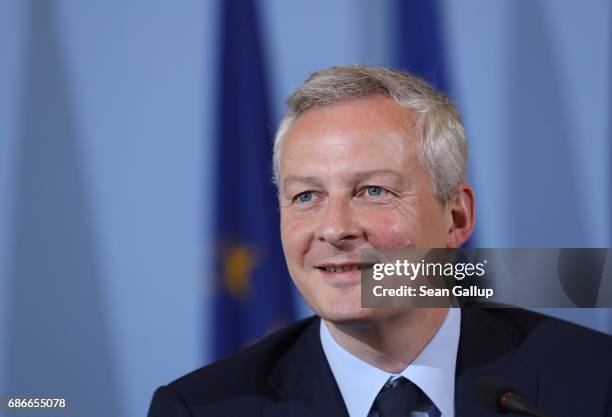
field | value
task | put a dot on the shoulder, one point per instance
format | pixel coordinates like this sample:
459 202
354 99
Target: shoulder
243 373
546 340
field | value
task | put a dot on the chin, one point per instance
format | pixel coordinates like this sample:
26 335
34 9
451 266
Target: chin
339 314
340 304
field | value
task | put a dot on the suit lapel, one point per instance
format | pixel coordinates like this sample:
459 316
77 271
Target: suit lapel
304 380
489 347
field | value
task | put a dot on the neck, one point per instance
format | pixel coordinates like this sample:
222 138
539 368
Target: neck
390 344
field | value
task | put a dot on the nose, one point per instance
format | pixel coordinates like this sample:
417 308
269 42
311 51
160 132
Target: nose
338 226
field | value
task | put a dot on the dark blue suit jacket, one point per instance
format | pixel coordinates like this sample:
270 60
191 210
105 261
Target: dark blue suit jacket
564 369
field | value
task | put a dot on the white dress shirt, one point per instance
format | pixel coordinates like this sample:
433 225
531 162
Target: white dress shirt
433 370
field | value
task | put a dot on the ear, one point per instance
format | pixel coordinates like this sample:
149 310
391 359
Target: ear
461 208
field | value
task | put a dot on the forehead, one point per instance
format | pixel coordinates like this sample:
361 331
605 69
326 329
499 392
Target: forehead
369 134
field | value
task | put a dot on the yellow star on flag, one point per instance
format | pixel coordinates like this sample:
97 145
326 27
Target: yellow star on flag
239 261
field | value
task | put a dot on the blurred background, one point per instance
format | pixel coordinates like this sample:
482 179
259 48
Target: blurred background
137 223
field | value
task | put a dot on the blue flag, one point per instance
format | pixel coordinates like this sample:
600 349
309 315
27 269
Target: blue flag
253 288
419 41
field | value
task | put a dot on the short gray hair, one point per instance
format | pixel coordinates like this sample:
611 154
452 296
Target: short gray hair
443 147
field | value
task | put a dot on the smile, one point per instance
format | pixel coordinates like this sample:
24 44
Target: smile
344 268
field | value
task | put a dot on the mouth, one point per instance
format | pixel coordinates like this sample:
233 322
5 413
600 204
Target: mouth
342 268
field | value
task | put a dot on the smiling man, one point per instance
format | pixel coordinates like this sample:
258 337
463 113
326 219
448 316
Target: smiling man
370 158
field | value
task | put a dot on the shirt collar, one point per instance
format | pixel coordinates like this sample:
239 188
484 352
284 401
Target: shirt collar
433 370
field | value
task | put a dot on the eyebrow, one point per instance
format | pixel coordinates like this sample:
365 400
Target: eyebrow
378 173
359 176
294 179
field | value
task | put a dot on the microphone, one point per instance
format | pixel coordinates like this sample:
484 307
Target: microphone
497 395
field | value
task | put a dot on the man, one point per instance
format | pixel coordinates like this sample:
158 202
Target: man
370 158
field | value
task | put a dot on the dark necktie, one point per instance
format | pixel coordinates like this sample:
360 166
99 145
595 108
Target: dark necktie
397 398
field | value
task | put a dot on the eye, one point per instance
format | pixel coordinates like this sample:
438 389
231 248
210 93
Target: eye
304 197
374 191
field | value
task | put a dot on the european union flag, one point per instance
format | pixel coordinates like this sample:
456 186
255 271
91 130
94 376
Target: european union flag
253 288
419 41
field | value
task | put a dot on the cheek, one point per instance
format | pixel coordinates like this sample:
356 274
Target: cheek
387 228
401 227
433 228
392 232
296 235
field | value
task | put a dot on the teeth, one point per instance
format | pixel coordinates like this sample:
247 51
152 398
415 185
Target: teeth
345 268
